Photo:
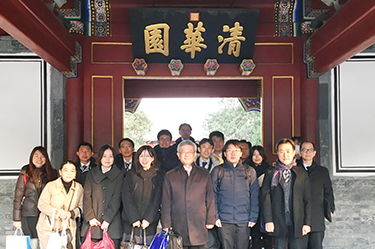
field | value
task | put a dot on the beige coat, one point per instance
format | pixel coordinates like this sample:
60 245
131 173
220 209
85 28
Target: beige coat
54 197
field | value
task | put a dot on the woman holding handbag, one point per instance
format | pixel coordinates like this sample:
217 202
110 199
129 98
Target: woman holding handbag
141 196
30 183
60 200
102 198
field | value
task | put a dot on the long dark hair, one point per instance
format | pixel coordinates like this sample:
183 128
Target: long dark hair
47 169
152 154
261 151
101 152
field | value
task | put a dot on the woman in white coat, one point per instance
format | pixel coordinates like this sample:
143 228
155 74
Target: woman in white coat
64 197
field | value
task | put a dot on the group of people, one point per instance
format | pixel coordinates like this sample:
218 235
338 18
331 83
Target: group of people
214 194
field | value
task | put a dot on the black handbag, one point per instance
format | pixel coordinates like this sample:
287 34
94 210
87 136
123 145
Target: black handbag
132 245
174 241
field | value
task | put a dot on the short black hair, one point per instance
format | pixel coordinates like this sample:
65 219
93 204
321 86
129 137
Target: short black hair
179 128
243 141
299 139
205 140
216 134
164 132
125 139
234 142
84 144
307 142
285 141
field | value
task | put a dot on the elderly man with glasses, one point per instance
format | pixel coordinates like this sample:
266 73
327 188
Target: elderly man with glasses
188 205
321 194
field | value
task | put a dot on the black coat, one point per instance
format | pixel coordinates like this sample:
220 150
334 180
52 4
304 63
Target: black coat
179 140
188 204
81 176
119 161
273 204
321 187
102 200
260 169
167 157
141 199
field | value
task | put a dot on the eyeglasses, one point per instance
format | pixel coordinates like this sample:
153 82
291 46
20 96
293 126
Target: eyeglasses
187 131
307 150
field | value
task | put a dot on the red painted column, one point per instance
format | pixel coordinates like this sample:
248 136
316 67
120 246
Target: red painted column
309 108
74 114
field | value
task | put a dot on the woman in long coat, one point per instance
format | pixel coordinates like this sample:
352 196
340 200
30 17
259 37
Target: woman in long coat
64 197
141 195
258 160
102 198
30 183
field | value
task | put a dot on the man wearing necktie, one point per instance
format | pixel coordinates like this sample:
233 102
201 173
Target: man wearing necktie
205 158
286 200
85 163
124 160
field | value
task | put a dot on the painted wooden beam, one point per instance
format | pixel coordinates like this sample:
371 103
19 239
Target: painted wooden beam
36 27
348 32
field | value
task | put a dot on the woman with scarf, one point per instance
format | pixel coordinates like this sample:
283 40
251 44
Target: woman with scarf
258 160
285 200
30 183
141 196
61 199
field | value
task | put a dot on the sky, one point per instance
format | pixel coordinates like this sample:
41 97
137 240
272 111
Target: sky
169 113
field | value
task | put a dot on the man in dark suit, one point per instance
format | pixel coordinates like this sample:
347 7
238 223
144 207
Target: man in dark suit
205 158
321 190
124 160
85 163
286 200
188 199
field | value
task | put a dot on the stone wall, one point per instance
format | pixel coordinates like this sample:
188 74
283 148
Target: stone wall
354 219
6 208
352 227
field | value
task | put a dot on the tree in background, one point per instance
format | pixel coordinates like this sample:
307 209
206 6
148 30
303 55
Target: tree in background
136 126
235 122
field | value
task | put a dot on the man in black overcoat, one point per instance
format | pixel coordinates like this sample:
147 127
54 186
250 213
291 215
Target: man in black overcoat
166 153
321 191
188 205
286 200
